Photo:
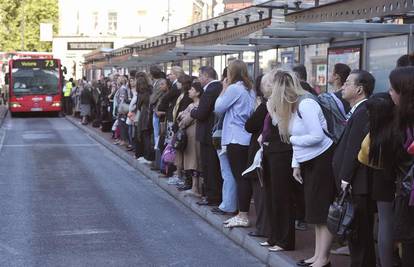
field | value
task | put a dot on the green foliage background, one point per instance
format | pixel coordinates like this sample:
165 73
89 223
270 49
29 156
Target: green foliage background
32 12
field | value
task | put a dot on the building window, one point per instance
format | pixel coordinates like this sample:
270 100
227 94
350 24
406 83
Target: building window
141 19
95 17
112 22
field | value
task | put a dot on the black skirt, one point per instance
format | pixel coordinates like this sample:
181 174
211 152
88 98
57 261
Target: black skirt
319 186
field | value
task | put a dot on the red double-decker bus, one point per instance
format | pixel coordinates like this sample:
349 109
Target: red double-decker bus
35 85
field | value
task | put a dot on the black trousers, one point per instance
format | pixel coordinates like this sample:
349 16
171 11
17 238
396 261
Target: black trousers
299 193
67 105
211 173
407 254
238 156
279 186
144 145
262 217
361 244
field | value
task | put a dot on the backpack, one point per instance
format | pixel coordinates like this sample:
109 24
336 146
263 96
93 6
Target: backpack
335 118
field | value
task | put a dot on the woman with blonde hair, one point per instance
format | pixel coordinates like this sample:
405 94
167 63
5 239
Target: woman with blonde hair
278 182
237 103
301 123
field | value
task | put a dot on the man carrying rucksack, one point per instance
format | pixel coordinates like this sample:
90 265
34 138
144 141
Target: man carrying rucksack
337 79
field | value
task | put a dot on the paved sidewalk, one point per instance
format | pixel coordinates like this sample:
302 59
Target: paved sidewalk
304 239
3 113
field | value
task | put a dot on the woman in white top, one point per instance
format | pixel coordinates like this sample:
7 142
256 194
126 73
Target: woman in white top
301 123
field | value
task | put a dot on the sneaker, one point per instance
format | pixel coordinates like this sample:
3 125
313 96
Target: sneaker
143 160
341 251
180 183
301 225
173 180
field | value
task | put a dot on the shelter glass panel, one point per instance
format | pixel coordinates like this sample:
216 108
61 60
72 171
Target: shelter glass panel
382 57
316 63
186 66
267 60
196 66
219 65
206 61
287 57
248 58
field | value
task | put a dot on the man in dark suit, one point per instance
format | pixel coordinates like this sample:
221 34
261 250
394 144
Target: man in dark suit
204 115
348 171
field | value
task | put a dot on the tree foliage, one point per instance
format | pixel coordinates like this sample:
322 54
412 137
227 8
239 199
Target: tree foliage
20 24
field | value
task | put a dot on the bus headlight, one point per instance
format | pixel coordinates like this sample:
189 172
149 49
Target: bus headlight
15 105
56 104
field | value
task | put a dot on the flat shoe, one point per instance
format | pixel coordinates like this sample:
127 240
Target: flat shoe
255 234
219 211
276 248
238 222
229 220
264 244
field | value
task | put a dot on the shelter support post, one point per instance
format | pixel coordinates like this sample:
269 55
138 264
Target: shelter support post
411 40
256 64
364 64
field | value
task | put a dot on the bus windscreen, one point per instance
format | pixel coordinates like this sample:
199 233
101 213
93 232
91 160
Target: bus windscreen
35 77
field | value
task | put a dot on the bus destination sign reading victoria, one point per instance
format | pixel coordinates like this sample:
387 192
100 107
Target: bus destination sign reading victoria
35 63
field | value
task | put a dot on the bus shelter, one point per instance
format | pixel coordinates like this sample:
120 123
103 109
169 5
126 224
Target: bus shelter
280 33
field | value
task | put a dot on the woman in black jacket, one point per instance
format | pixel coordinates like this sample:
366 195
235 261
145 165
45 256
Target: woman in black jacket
278 181
254 125
143 130
402 94
378 152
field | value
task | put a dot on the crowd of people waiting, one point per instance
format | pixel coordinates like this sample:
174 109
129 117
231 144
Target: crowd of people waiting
230 140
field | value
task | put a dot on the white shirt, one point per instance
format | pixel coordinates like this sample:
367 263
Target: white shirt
205 87
308 138
356 105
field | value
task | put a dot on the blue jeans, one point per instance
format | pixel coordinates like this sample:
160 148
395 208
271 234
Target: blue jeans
156 127
229 191
130 134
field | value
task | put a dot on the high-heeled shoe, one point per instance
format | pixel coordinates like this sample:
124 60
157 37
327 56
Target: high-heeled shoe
303 263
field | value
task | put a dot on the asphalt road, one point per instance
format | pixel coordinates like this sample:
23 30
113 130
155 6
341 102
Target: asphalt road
67 201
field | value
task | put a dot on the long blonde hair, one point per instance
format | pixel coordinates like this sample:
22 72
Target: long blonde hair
282 103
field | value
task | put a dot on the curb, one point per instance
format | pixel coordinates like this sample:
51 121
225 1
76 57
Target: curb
3 115
237 235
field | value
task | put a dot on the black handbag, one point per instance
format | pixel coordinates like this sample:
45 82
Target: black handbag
403 212
341 215
180 140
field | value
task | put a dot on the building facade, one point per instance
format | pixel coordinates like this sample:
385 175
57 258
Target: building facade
88 25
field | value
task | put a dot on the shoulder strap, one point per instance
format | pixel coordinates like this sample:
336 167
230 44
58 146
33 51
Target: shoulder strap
305 96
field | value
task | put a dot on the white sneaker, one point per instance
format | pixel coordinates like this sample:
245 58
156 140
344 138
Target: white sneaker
143 160
174 180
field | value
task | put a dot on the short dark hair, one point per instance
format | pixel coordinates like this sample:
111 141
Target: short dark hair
366 80
300 71
405 60
342 70
185 81
197 86
132 73
209 71
155 72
